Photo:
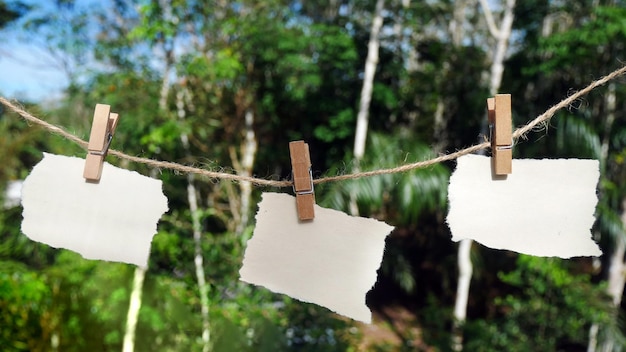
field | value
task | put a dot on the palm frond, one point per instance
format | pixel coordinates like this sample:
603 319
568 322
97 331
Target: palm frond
578 137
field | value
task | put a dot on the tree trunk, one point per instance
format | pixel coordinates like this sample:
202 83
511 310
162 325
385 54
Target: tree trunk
249 149
366 93
502 44
168 52
165 84
368 82
133 310
456 27
616 282
462 292
593 338
440 126
203 287
192 198
617 265
464 262
134 305
502 36
402 45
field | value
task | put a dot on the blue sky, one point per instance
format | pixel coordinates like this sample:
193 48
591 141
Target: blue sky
24 76
27 72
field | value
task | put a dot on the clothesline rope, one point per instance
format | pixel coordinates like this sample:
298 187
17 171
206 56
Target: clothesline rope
518 133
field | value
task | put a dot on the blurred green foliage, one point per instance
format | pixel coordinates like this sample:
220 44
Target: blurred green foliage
193 69
547 308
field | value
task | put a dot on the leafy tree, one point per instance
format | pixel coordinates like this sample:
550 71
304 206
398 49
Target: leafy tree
198 70
547 308
11 11
563 54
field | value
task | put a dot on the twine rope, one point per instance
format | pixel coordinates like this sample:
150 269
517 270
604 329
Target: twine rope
520 132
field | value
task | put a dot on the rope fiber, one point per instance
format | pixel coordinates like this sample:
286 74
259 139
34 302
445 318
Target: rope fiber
520 132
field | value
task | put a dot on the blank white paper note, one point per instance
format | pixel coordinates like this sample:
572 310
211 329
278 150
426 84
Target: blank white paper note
544 208
330 261
113 220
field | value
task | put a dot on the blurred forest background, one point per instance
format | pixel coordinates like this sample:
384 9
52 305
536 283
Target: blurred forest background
368 84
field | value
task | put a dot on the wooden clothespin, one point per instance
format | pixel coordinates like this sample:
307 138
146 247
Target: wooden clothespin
500 121
102 129
302 179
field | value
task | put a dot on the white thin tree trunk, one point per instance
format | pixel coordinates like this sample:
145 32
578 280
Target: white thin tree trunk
198 260
362 118
165 84
408 50
196 225
133 310
593 337
616 269
616 282
249 150
502 36
456 29
457 25
134 305
462 292
617 265
440 127
168 52
464 262
457 32
402 44
371 62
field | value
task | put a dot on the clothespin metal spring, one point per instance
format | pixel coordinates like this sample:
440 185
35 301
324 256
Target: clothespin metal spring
105 150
